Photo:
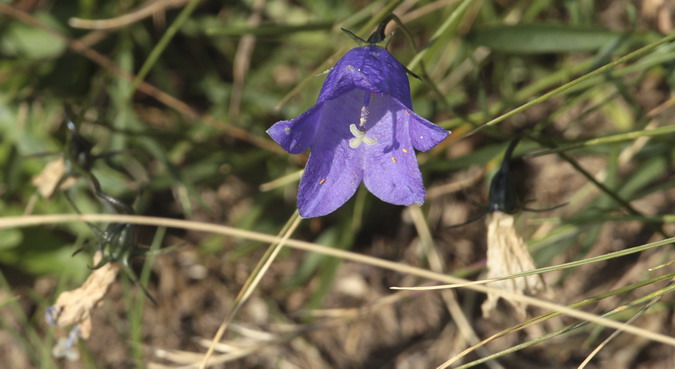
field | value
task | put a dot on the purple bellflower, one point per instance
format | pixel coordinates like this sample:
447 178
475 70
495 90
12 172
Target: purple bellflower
361 128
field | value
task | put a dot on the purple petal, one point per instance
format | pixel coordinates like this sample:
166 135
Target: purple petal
296 135
390 167
334 170
424 134
369 68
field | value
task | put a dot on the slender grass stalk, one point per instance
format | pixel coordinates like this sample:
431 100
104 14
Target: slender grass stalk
635 54
268 30
630 321
609 139
436 264
601 186
572 264
9 222
384 12
447 28
543 317
29 339
253 280
136 312
162 44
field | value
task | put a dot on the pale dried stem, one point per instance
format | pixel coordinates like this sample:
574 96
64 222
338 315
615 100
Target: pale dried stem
468 180
281 181
242 61
34 220
145 11
425 9
614 334
661 108
237 350
449 297
252 282
94 37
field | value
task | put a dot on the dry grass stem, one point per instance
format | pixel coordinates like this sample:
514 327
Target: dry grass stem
253 281
242 61
23 221
147 10
468 334
466 181
282 181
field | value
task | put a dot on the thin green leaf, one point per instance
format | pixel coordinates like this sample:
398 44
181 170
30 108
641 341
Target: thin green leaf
610 139
541 38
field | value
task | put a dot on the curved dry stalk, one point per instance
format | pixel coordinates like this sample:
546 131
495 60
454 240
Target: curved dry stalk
546 316
617 332
228 353
145 11
423 10
242 61
468 179
25 221
282 181
253 280
449 297
571 264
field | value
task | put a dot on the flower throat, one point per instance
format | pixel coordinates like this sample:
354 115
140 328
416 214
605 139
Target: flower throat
359 132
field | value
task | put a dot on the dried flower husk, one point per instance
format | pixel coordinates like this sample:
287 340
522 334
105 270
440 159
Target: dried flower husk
507 254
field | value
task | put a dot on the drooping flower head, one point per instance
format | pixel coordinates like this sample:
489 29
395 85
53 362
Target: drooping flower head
362 128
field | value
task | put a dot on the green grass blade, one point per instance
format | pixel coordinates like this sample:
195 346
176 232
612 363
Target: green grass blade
609 139
635 54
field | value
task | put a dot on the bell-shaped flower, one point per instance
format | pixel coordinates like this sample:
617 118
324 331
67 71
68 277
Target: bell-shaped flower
361 128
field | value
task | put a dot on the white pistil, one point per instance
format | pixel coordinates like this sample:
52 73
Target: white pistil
359 136
369 140
359 132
